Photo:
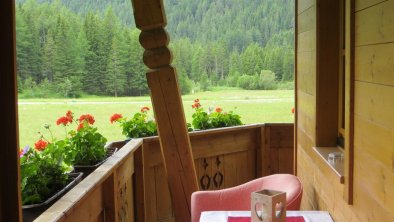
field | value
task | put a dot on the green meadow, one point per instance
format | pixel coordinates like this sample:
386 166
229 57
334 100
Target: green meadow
254 106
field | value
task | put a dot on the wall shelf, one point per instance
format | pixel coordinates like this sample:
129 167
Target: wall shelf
338 167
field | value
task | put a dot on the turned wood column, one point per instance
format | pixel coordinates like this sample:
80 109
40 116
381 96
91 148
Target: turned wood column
167 104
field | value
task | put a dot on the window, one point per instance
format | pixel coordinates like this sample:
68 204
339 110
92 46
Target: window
335 91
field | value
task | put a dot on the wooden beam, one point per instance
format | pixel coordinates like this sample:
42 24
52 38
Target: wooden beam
10 203
349 101
167 104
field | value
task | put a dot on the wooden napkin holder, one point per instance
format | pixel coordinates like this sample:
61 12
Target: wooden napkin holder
268 206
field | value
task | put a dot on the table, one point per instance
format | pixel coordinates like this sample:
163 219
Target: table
221 216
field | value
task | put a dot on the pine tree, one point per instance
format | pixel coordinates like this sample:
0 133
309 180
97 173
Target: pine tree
115 80
136 79
48 57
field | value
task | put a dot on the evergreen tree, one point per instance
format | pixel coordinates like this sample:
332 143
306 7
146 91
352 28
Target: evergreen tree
116 75
95 62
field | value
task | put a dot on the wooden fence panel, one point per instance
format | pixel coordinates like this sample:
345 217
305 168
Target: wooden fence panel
223 158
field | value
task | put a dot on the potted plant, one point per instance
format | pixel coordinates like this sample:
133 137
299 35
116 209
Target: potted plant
140 125
85 149
45 176
213 119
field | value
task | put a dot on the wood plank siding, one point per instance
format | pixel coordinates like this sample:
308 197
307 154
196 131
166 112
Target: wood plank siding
373 166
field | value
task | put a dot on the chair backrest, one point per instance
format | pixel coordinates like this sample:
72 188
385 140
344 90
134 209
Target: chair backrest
239 197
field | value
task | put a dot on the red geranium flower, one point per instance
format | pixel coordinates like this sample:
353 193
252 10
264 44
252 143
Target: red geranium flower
115 117
63 120
144 109
196 104
219 110
70 115
88 118
292 110
40 145
80 126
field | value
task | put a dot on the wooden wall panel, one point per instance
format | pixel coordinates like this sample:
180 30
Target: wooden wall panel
304 5
306 41
306 20
375 102
307 114
373 125
306 71
375 64
375 24
376 140
365 206
376 179
306 176
362 4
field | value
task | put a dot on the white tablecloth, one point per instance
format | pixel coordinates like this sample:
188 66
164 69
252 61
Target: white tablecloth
221 216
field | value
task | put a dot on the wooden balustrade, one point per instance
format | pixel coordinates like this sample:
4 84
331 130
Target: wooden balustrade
223 158
132 185
107 194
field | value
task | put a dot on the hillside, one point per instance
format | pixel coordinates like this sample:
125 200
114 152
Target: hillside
221 42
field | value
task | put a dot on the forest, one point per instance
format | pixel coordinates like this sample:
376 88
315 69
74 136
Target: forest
73 48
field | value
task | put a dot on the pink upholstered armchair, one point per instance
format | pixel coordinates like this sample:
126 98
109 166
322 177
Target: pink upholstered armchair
238 198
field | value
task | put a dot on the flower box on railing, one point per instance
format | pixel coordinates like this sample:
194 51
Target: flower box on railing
32 211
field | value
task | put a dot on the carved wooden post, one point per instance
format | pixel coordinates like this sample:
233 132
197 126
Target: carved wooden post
165 94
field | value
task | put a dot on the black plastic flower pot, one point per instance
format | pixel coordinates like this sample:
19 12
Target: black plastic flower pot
88 169
32 211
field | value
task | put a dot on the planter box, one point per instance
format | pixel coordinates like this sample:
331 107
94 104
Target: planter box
32 211
88 169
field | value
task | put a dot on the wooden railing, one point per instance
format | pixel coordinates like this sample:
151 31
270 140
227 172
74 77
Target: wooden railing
107 194
132 185
223 158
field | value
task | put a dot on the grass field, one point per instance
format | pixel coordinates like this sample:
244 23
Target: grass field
257 106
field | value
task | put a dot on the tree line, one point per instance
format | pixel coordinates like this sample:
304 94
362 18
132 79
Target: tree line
94 50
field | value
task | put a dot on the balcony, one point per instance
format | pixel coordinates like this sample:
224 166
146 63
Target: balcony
132 184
